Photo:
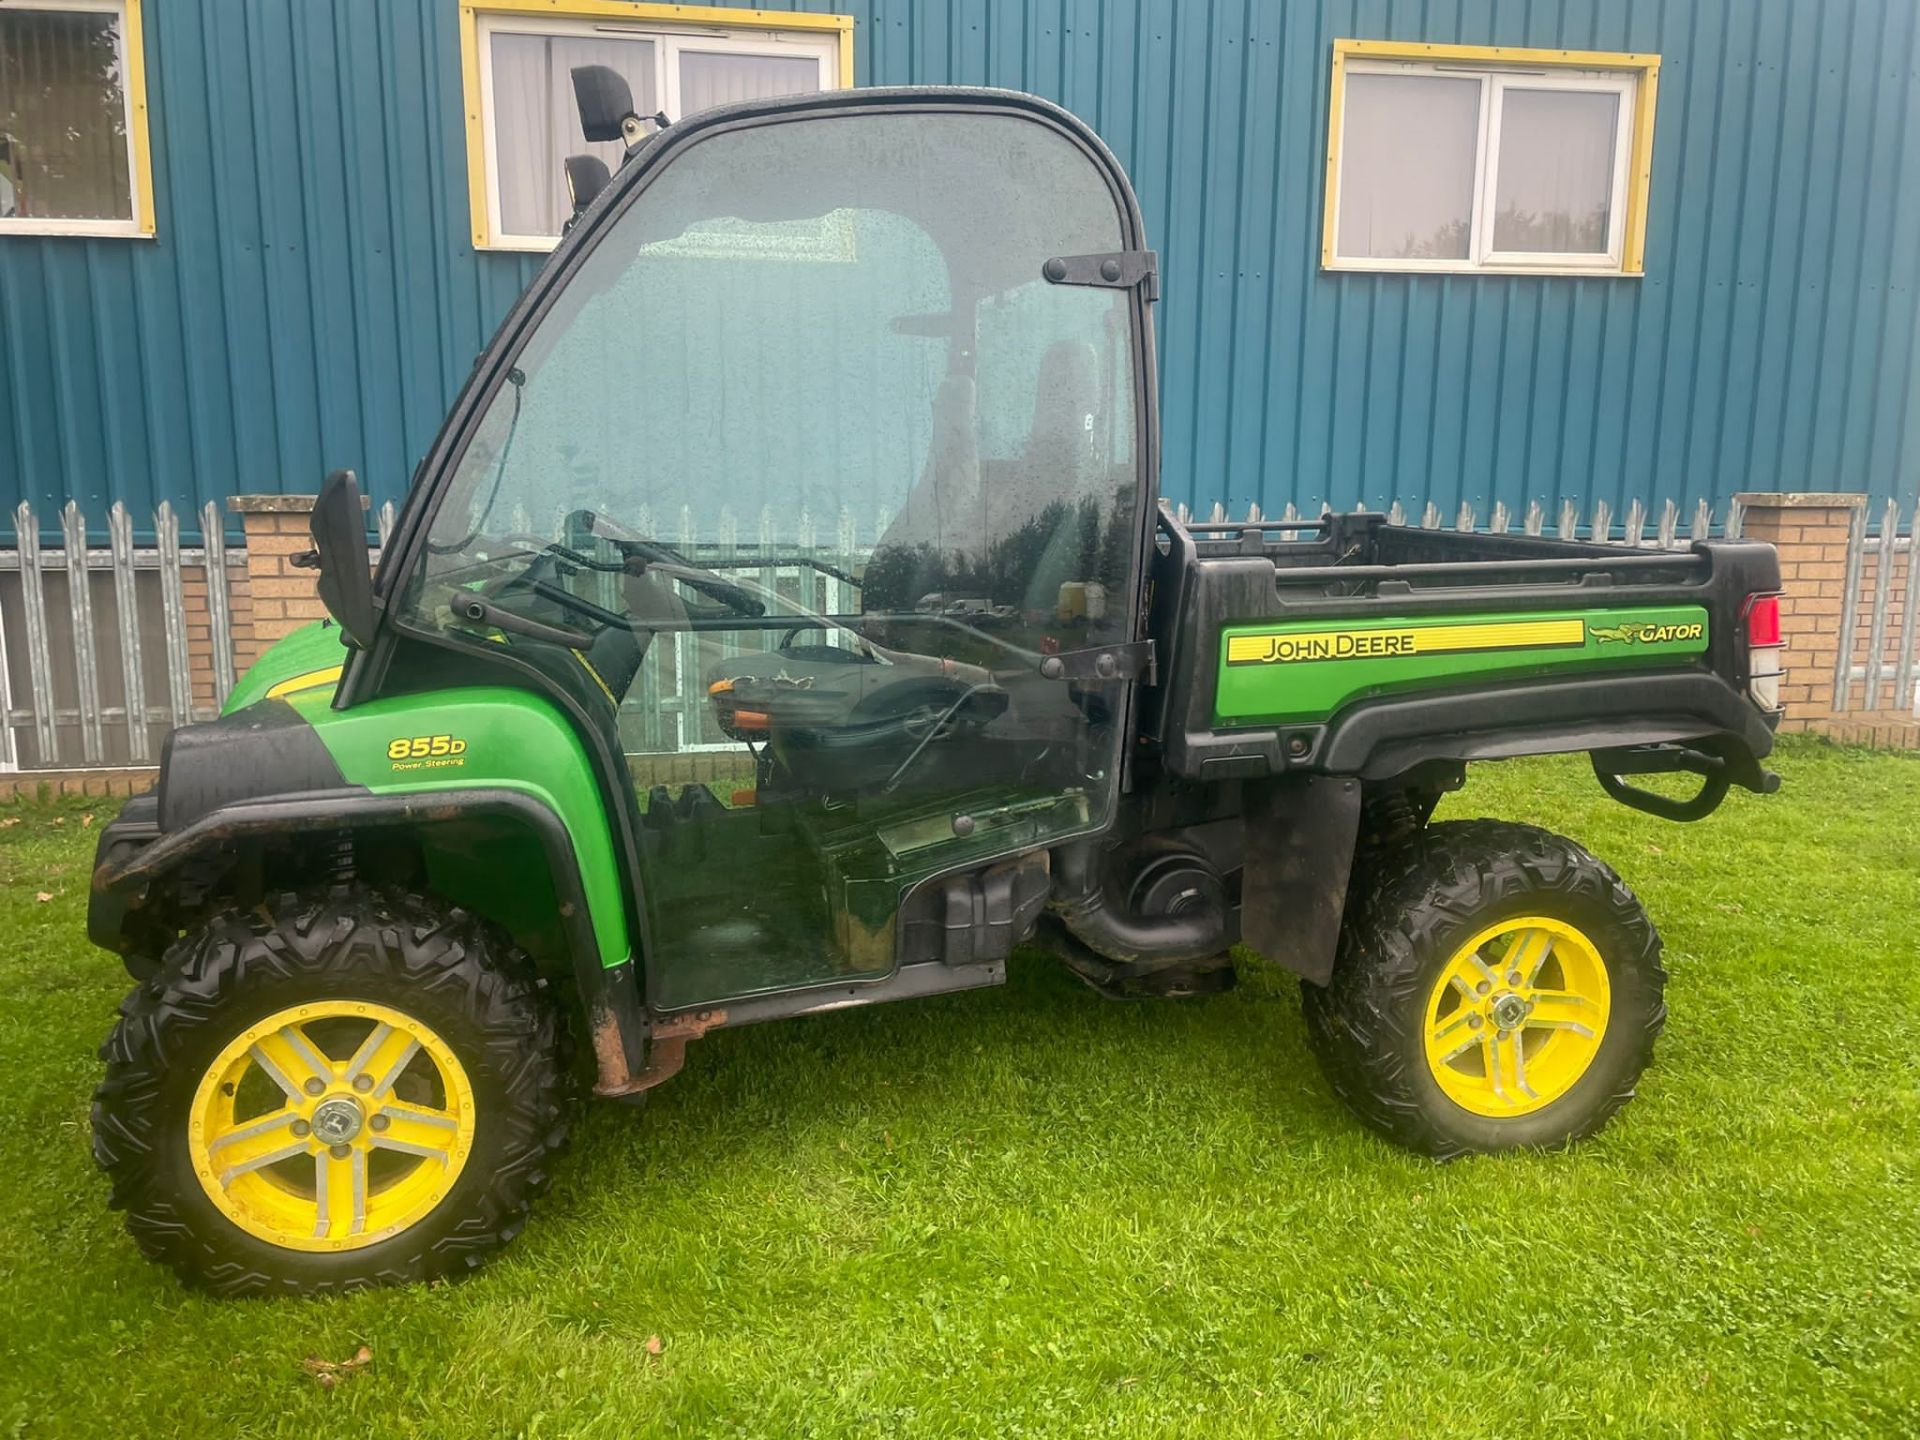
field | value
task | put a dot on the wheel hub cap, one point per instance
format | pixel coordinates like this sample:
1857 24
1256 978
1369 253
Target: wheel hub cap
1516 1016
336 1121
331 1125
1509 1011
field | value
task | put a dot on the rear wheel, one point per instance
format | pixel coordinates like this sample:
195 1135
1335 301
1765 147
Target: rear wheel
1496 986
329 1092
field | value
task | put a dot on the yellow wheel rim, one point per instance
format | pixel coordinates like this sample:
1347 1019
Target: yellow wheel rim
331 1126
1516 1016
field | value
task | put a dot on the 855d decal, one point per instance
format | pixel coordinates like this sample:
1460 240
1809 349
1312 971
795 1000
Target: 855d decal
426 752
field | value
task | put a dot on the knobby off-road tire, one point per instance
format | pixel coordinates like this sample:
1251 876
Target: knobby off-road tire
458 980
1407 923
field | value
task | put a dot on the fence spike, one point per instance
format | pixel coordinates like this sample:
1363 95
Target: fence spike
1849 611
383 520
1498 522
1669 524
1217 515
33 605
1882 598
1536 520
213 540
1636 523
1430 517
1736 518
1464 522
1396 513
1904 692
1569 526
1253 513
1292 512
173 613
9 749
126 605
1702 520
73 530
1602 520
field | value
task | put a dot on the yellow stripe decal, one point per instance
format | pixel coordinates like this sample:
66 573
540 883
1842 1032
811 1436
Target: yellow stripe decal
312 680
588 664
1389 641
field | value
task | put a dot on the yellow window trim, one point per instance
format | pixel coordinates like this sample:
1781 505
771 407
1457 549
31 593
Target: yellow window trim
133 45
1640 151
691 15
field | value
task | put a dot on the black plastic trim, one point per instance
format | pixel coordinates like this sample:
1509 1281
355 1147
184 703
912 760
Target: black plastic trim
131 831
909 982
1492 722
1300 836
266 749
123 883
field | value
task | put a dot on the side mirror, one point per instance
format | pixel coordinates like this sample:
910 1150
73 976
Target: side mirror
339 528
606 105
587 176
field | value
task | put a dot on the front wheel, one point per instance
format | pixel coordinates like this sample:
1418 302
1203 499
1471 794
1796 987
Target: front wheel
328 1092
1496 986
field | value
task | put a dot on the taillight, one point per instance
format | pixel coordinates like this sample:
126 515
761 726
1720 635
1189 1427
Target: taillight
1762 614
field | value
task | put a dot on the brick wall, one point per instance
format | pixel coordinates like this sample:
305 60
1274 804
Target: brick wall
278 598
1811 532
193 588
40 785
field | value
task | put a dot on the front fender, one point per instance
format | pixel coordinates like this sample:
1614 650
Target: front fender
135 857
137 861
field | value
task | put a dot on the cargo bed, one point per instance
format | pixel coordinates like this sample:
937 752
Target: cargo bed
1349 645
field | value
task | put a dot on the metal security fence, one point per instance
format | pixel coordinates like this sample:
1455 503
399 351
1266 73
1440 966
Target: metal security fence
1879 647
810 563
104 649
1631 527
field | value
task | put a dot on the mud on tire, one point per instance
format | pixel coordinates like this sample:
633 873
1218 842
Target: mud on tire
1419 903
455 973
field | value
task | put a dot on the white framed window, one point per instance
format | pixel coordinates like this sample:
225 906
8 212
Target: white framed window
522 123
1488 159
74 158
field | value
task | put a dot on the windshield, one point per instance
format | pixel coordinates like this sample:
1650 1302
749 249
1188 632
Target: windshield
814 371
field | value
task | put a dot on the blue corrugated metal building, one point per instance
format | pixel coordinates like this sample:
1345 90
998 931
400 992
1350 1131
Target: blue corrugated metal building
311 293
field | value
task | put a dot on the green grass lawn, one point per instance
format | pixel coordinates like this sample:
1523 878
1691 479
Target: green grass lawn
1034 1212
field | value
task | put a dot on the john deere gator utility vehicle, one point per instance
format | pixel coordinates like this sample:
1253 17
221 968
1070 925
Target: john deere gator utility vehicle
821 462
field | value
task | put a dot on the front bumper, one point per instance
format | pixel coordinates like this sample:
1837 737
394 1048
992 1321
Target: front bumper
136 827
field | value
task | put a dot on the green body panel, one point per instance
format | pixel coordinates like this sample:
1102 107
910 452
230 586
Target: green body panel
1303 671
307 651
483 737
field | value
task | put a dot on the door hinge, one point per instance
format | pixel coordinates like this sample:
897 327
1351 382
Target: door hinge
1132 661
1115 270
